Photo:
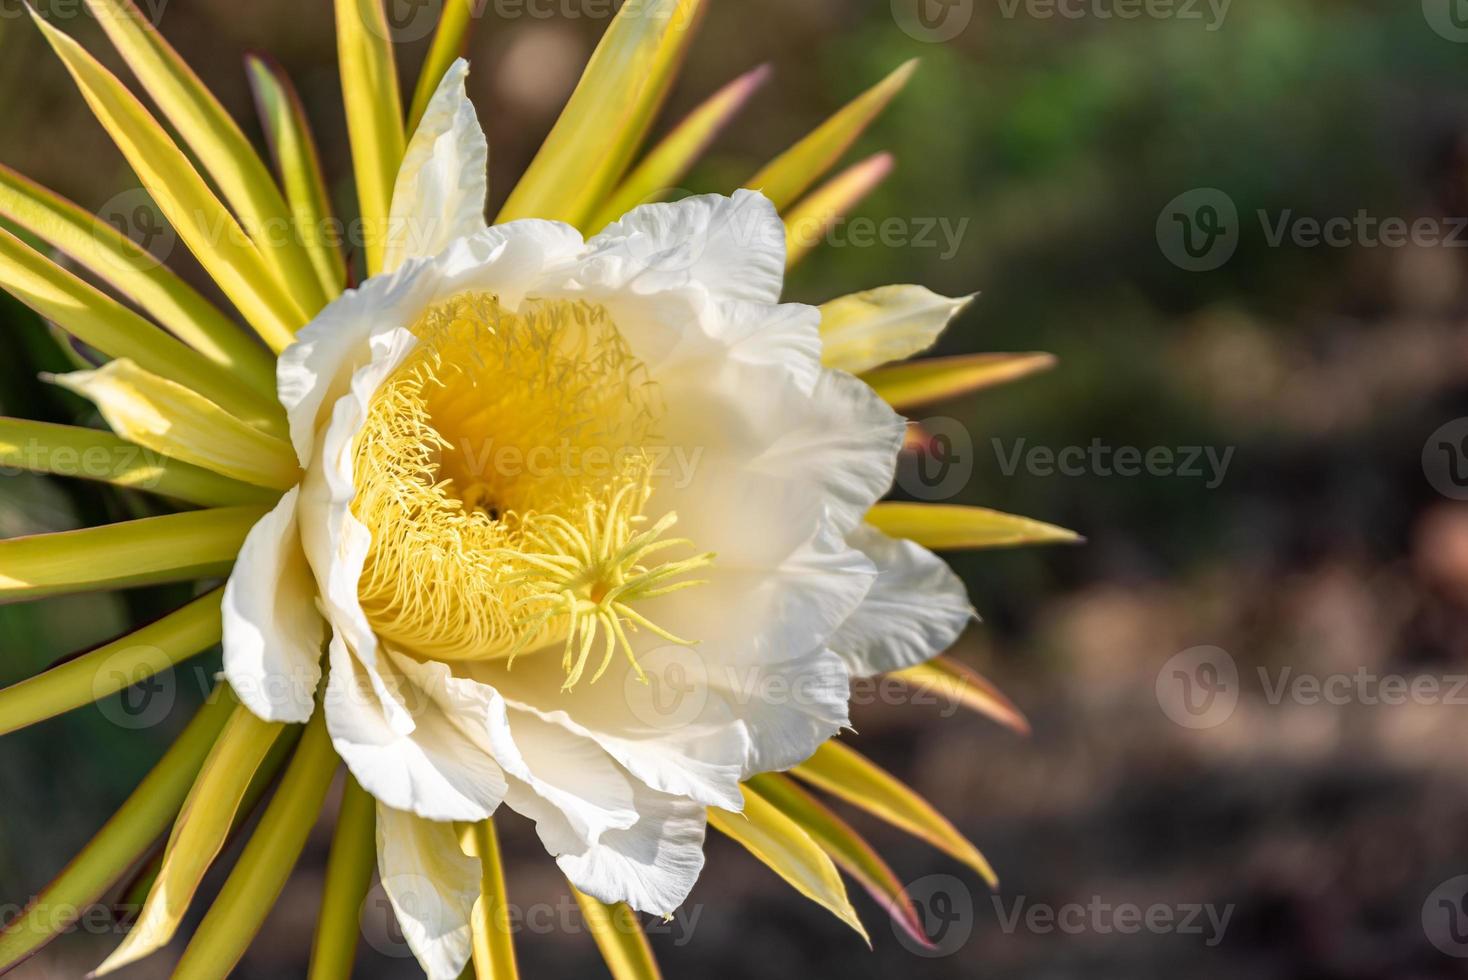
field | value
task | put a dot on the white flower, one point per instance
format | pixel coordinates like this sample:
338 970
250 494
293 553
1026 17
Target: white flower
582 525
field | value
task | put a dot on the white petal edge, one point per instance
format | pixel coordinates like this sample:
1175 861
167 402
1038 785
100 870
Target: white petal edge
914 611
431 884
433 771
808 702
652 865
440 192
506 260
571 772
273 633
732 246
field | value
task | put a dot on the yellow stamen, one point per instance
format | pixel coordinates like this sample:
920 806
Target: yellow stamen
504 470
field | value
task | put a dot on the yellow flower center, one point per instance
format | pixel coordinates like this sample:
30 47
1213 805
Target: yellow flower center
503 471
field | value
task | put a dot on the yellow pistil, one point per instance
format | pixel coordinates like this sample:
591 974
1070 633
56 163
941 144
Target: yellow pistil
503 471
590 578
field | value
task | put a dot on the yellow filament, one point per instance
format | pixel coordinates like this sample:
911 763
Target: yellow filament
503 472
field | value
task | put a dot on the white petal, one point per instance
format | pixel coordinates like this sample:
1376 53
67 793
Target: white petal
443 182
732 246
651 865
786 337
667 732
314 372
789 709
432 885
692 286
335 542
750 615
760 690
434 771
272 630
915 610
510 260
593 793
747 467
569 771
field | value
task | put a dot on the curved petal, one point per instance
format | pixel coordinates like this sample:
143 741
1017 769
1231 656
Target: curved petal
433 770
750 616
314 372
788 457
915 610
667 732
443 182
594 795
732 246
272 630
566 770
786 337
169 418
432 885
806 702
335 542
651 865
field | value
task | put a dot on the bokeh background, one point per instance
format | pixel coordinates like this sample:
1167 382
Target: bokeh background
1062 151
